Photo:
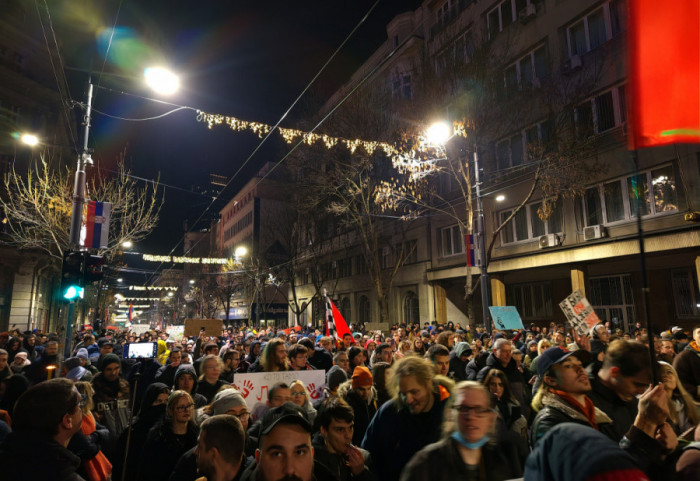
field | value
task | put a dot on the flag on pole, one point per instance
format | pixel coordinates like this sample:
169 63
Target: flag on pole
470 249
131 312
336 326
97 224
664 74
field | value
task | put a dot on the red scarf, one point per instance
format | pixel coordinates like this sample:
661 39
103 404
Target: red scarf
98 468
587 409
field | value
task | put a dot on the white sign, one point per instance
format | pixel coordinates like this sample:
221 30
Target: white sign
579 312
176 332
255 386
139 329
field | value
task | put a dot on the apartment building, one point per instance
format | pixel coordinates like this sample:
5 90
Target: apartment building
550 66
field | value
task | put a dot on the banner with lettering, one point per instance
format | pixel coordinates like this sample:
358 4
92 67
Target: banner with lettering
579 312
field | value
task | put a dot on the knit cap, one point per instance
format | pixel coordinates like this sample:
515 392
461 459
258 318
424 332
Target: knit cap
361 377
227 399
335 377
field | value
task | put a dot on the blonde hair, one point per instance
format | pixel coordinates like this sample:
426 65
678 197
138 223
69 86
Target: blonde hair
299 383
543 345
172 401
84 387
681 394
449 416
210 357
410 365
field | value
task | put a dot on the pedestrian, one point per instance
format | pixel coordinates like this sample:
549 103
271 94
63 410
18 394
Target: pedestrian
300 397
687 365
112 400
186 380
219 451
361 396
683 413
87 442
469 449
209 382
411 420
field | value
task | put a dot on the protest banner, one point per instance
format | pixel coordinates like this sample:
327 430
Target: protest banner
579 312
505 318
138 329
212 327
255 386
176 332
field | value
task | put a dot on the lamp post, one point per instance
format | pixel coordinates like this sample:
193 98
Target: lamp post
84 159
438 134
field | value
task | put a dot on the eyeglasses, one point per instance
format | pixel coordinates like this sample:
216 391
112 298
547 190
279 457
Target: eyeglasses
242 416
297 394
476 411
184 408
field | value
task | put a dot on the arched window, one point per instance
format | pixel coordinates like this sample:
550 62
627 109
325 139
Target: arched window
345 309
411 311
363 310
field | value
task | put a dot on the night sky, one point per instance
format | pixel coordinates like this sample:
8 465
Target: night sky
240 58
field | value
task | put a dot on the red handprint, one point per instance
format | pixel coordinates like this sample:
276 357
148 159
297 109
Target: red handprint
247 387
313 393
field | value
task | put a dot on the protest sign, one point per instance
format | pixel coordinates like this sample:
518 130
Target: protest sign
505 317
255 386
138 329
212 327
579 312
176 332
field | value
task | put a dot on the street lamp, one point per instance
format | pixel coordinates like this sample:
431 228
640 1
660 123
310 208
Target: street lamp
439 134
29 139
161 80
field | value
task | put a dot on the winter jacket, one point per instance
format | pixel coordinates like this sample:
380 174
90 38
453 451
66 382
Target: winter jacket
209 390
557 411
687 365
186 467
334 464
458 369
166 375
321 359
111 409
621 412
364 410
33 456
476 365
394 435
442 461
162 450
518 380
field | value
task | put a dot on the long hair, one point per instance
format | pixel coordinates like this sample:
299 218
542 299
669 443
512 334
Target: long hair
423 371
507 392
267 357
681 394
170 407
84 387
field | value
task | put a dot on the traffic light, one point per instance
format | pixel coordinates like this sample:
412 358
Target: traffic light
72 276
93 268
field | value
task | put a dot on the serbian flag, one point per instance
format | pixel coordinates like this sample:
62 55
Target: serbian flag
97 224
664 76
469 247
131 313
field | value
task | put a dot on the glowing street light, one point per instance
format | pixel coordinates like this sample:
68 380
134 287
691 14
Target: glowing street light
127 244
240 251
161 80
500 198
29 139
439 133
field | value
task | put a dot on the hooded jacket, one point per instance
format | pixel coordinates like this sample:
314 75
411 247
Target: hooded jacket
458 369
183 369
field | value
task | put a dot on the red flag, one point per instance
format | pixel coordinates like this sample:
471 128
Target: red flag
341 327
664 72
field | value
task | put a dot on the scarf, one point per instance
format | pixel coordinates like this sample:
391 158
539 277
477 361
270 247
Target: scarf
694 345
587 409
98 468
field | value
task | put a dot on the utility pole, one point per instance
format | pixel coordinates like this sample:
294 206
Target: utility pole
481 241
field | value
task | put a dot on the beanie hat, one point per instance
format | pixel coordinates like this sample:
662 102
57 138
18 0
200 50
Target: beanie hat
110 359
82 353
227 399
361 377
462 348
71 363
335 377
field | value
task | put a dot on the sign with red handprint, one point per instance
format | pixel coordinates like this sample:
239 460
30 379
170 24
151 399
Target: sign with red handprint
255 386
579 312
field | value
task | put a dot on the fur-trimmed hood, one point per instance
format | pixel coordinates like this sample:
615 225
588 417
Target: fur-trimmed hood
345 388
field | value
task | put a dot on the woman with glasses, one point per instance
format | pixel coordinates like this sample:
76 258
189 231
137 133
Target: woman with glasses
301 398
169 439
86 443
469 449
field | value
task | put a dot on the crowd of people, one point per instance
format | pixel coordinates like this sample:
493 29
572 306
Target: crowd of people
427 402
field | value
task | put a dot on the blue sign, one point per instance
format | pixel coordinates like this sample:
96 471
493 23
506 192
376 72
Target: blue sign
505 318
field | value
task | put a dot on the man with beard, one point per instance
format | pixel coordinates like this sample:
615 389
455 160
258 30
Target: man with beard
361 395
273 358
285 452
111 399
219 448
411 420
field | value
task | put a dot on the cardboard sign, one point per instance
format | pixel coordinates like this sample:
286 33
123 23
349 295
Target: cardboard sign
505 318
255 386
139 329
579 312
176 332
212 327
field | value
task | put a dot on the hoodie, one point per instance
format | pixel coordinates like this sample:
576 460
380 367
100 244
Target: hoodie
458 369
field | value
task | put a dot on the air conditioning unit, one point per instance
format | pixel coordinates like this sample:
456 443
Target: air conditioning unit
593 232
549 240
527 13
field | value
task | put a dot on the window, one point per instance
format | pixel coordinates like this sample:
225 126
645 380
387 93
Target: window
527 225
451 241
596 28
513 151
611 297
363 310
401 86
601 113
360 265
345 267
616 200
442 15
345 309
409 254
411 310
527 71
533 300
685 294
504 14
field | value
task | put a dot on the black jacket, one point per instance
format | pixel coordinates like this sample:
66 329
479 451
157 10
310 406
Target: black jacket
332 466
441 461
518 380
162 450
621 412
33 456
476 365
321 359
364 411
